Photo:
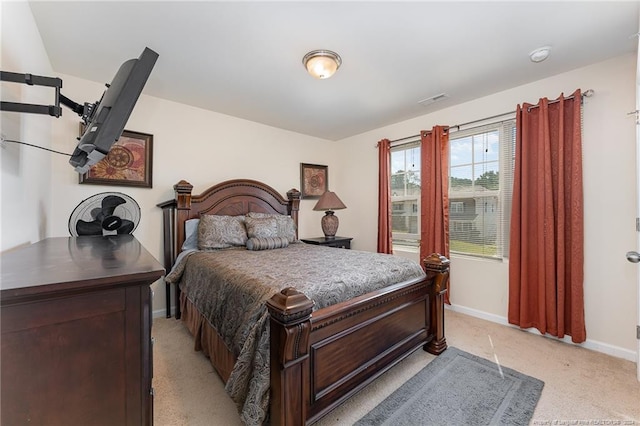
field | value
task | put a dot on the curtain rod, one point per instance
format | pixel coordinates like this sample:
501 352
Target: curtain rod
587 93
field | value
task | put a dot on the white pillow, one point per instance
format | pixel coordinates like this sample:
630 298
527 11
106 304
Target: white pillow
190 234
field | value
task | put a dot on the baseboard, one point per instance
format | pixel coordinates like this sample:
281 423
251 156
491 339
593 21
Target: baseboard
594 345
161 313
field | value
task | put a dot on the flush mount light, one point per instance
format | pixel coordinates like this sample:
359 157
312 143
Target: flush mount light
540 54
322 63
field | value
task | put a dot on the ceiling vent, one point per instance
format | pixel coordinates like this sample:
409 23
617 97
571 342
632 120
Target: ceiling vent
432 99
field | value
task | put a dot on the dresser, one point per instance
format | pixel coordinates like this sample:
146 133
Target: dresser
75 318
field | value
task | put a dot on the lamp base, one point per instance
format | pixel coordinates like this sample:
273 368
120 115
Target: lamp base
329 224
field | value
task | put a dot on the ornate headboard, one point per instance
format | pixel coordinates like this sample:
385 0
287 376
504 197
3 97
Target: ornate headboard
232 197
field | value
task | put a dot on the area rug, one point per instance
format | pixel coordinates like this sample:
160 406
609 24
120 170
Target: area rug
458 388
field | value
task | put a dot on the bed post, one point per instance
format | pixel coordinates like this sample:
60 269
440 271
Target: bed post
169 255
183 205
437 268
294 205
290 326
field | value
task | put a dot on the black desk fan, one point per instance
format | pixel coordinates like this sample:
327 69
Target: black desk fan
106 213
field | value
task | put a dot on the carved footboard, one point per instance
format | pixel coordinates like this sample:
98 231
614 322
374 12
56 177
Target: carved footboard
320 360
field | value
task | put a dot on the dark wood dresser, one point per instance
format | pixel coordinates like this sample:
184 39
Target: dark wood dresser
75 318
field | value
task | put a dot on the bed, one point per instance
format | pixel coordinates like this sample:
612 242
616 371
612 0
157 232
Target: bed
319 353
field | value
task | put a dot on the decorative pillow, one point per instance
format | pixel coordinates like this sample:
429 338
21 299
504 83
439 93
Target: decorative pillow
286 226
216 232
190 234
261 227
267 243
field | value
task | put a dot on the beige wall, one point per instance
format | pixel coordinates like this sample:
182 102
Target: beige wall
25 171
204 148
480 287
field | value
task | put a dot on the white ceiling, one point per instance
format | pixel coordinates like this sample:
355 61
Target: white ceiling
244 58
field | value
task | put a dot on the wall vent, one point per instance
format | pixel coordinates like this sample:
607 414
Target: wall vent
432 99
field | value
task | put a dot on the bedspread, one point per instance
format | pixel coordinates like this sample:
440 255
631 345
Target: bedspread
230 288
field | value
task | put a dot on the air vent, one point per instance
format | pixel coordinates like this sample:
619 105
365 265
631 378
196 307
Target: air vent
432 99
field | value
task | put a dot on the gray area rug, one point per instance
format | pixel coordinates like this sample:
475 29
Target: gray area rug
458 388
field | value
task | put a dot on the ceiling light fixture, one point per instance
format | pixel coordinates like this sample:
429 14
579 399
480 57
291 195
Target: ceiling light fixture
540 54
322 63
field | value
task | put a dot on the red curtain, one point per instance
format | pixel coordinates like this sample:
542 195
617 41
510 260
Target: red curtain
546 247
434 201
384 197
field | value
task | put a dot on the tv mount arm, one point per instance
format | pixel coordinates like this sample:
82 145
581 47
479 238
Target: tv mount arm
83 111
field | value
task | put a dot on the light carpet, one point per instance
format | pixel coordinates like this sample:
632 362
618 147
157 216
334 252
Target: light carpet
460 388
580 385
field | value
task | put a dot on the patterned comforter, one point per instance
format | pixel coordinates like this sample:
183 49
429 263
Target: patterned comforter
230 288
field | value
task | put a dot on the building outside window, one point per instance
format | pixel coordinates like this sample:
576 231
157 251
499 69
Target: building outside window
405 194
480 188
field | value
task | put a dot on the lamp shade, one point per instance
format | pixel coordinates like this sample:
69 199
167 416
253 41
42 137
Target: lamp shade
322 63
329 201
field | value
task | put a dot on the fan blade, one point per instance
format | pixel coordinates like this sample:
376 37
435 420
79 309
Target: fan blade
109 204
88 228
97 213
126 227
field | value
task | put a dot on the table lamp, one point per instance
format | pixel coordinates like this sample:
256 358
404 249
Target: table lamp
329 202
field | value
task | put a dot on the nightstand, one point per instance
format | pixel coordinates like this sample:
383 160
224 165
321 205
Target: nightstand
339 242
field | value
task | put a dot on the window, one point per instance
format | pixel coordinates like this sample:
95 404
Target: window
405 194
481 165
456 207
481 162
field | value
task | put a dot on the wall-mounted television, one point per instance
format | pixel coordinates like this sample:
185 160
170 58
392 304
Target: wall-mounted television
105 120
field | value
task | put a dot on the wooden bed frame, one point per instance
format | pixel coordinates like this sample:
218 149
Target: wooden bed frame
319 359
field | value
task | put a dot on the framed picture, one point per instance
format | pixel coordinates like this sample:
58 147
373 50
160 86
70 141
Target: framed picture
314 180
129 162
